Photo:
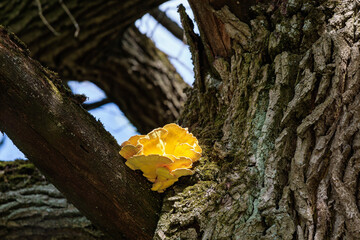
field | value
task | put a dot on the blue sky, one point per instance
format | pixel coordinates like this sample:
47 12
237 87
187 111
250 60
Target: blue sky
113 119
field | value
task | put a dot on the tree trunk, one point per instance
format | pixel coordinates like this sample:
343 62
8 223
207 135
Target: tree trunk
276 107
119 61
32 208
84 40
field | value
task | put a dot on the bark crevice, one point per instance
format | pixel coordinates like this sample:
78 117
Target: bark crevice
286 129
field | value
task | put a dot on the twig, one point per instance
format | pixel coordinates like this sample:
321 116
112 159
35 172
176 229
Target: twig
91 106
43 19
169 24
181 63
72 19
2 141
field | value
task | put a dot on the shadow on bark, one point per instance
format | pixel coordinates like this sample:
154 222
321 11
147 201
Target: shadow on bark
32 208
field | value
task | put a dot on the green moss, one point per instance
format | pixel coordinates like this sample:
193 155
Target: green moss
16 40
55 82
207 170
3 164
17 177
17 174
27 168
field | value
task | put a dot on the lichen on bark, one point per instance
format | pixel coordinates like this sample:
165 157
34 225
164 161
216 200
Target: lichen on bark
279 129
32 208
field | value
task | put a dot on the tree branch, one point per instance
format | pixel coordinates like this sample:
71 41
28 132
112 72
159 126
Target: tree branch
70 147
133 73
168 23
32 208
91 106
139 79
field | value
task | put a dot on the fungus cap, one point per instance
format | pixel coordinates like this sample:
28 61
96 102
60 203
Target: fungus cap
163 155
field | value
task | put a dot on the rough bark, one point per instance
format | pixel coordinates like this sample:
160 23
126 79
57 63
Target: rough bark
277 114
278 117
70 147
134 74
128 67
32 208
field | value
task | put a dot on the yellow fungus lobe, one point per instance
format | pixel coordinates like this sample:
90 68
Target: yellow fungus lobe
163 155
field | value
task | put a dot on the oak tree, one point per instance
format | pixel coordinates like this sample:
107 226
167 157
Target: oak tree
275 106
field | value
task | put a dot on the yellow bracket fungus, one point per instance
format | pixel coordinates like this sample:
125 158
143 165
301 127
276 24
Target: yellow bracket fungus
163 155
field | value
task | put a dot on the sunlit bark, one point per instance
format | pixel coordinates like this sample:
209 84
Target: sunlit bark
277 112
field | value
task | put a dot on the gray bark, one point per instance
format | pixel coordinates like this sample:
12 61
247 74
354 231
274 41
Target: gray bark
32 208
276 109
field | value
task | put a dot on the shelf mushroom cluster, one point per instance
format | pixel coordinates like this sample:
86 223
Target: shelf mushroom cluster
163 155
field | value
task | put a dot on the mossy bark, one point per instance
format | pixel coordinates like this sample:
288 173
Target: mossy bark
108 51
32 208
278 116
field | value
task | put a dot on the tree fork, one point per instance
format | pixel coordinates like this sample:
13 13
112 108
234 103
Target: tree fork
70 147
